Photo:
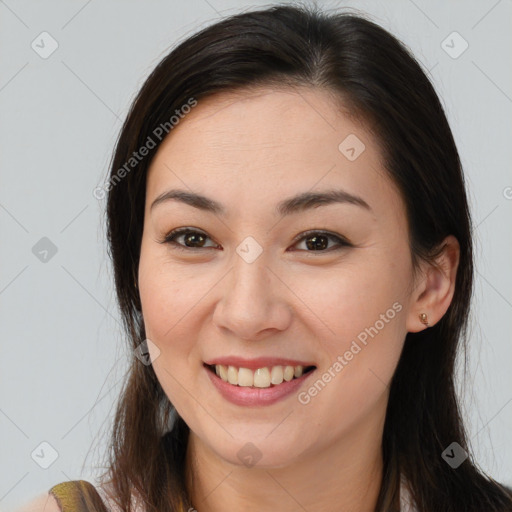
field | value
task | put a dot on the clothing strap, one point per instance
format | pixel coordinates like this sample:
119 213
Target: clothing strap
78 496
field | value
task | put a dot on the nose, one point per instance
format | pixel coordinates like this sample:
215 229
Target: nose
254 301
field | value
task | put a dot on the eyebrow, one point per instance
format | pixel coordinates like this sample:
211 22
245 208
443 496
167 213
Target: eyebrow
295 204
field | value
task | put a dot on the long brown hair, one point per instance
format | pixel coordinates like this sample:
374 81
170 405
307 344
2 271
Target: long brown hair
380 82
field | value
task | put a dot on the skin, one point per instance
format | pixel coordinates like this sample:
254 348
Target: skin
249 151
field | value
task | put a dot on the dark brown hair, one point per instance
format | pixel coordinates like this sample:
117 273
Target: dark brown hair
378 80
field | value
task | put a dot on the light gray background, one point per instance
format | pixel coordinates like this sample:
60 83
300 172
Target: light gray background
62 348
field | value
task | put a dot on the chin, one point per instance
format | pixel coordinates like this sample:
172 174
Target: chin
260 453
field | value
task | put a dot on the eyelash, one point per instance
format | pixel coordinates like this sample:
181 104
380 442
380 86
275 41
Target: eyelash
170 239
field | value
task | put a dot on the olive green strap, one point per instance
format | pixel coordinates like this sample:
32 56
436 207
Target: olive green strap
78 496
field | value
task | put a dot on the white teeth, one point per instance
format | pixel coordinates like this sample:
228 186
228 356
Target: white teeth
276 375
245 377
223 372
261 378
232 375
288 373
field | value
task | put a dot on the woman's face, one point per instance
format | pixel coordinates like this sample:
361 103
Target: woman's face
246 282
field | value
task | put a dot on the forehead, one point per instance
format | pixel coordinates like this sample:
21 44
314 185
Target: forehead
253 147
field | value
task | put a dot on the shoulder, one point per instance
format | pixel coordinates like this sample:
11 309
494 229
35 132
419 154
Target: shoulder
44 502
70 496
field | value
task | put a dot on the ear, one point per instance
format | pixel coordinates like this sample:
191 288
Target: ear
434 290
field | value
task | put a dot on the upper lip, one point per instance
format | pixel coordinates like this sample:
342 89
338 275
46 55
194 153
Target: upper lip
259 362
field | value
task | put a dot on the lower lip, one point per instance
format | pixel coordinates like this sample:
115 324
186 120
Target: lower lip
249 396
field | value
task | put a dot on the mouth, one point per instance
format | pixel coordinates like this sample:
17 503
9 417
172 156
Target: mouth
265 377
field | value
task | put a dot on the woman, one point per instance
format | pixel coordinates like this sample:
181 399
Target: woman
291 242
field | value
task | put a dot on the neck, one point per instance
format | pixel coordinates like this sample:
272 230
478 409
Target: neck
343 476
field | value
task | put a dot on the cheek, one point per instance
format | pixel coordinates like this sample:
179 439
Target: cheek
169 298
166 301
167 307
168 293
359 360
351 300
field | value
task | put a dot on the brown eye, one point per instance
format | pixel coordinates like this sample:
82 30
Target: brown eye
318 241
192 239
315 241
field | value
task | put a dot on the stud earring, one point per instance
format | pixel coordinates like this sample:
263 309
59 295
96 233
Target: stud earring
424 319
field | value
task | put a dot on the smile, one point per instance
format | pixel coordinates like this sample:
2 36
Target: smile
261 377
255 388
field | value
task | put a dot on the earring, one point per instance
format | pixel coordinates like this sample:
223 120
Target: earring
424 319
